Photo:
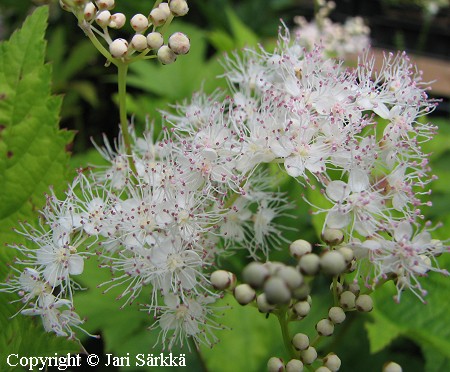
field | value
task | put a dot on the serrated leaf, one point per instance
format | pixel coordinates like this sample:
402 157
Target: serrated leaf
428 325
32 157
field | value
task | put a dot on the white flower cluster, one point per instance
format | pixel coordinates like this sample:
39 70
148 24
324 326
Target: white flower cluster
199 191
338 40
152 44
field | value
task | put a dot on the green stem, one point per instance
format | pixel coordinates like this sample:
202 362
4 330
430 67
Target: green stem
122 69
86 27
285 333
335 291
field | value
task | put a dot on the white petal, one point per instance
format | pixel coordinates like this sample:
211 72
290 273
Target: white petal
358 180
403 231
337 190
337 220
76 265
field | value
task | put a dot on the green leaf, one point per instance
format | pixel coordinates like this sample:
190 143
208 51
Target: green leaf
32 157
428 325
249 342
244 36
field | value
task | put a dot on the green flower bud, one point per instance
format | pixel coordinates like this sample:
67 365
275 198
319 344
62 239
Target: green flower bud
364 303
255 274
291 277
221 279
300 341
139 42
118 48
332 361
158 17
294 365
347 300
244 294
103 18
275 365
117 20
299 248
392 367
178 8
336 314
277 291
325 327
332 236
155 40
332 263
166 56
302 308
309 355
139 22
179 43
309 264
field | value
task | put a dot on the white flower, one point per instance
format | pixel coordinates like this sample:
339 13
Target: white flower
188 317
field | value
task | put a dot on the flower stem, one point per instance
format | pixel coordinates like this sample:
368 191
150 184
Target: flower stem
122 69
285 333
335 291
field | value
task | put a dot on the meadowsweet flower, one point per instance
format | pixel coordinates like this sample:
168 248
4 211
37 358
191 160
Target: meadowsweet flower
192 317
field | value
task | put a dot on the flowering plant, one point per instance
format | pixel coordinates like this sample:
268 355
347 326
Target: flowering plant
169 208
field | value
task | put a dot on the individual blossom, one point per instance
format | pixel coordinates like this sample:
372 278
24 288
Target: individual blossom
190 317
408 254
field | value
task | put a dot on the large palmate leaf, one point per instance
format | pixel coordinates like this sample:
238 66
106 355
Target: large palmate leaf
425 324
32 157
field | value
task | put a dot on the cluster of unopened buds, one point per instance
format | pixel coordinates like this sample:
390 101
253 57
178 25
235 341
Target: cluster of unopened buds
148 39
284 290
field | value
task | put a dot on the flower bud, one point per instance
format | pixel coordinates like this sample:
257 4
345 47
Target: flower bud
332 236
347 253
139 42
301 293
309 355
294 365
263 305
155 40
354 288
302 308
364 303
347 300
179 43
166 56
332 263
300 341
325 327
299 248
102 18
339 287
105 4
139 22
178 8
336 314
392 367
89 11
332 362
323 369
158 17
117 20
309 264
274 266
291 277
255 274
244 294
118 48
221 279
275 365
276 290
165 8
